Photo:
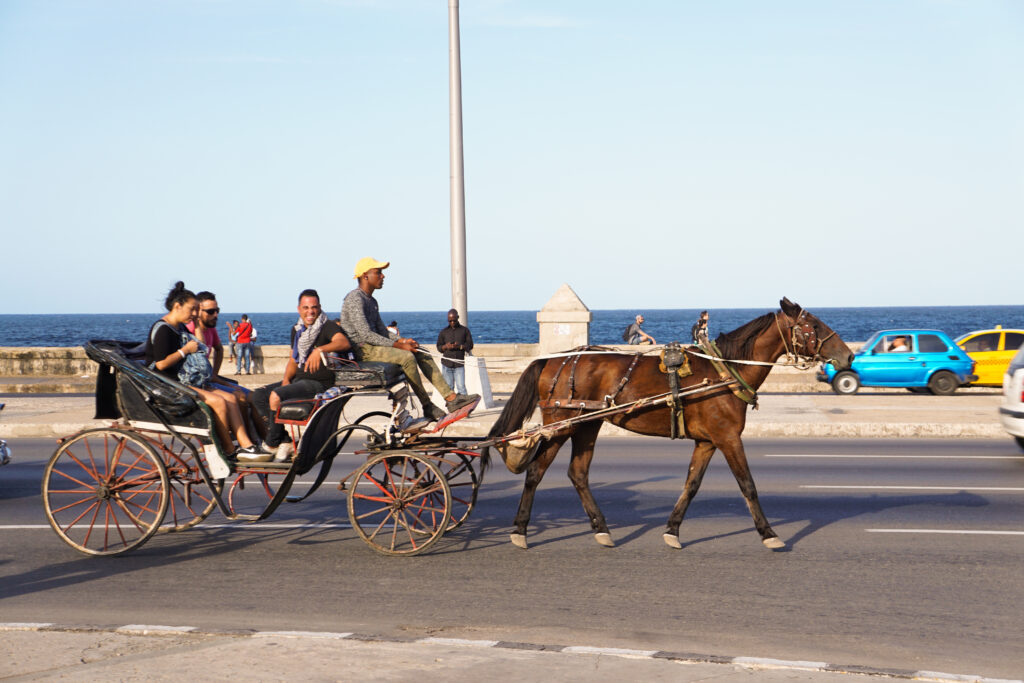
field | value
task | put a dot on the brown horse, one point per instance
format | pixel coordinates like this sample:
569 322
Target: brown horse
714 418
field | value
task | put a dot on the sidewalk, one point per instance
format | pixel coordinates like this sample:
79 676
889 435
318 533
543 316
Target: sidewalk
782 413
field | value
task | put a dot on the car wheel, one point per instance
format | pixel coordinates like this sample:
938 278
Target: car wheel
943 383
846 382
1020 441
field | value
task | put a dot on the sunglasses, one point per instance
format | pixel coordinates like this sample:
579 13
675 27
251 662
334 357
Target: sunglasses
211 311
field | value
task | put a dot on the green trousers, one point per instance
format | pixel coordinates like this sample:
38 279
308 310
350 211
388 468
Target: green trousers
411 364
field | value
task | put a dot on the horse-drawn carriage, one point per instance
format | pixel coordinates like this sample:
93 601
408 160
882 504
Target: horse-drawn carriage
161 468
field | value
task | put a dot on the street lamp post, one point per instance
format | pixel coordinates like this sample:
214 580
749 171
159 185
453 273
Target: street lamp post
458 184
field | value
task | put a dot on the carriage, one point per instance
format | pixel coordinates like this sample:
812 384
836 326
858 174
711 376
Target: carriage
159 467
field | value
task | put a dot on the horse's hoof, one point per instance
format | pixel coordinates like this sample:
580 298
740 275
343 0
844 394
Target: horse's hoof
672 541
518 540
605 540
774 543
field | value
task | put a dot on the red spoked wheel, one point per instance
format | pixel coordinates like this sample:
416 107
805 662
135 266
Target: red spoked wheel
251 492
399 503
457 469
191 499
105 491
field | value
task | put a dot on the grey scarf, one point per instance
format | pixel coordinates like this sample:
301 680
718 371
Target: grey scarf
307 337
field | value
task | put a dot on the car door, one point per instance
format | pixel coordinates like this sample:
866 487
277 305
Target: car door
983 349
935 352
884 367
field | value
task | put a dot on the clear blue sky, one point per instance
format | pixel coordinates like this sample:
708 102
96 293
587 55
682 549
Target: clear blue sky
652 154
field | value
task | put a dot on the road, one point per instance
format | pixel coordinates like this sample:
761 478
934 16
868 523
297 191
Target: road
904 554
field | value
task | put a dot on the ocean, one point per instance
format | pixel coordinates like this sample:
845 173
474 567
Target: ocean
497 327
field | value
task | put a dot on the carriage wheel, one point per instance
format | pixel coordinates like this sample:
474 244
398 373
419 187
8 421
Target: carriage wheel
253 504
458 471
105 491
399 503
191 500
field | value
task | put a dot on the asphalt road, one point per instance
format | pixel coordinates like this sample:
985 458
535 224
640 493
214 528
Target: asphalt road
904 554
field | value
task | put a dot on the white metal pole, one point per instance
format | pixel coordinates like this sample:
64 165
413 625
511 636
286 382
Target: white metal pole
458 184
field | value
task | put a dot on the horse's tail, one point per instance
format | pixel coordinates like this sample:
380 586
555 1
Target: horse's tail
519 407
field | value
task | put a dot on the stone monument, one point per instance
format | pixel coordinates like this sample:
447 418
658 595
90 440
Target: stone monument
564 322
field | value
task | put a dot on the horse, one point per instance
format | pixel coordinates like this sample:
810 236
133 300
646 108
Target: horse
713 412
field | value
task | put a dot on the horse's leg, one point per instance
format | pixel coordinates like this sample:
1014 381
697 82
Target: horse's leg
702 452
583 441
534 473
737 459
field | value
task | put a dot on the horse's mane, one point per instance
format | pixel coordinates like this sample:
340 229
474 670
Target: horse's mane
739 343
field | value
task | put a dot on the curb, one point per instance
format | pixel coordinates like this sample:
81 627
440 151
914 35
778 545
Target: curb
753 663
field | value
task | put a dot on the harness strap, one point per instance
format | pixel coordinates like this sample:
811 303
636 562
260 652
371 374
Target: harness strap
744 391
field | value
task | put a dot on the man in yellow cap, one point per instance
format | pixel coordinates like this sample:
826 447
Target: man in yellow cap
371 340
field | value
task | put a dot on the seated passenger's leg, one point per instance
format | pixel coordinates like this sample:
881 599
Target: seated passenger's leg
389 354
303 388
220 418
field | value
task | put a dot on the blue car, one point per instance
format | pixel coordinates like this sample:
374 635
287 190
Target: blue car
919 360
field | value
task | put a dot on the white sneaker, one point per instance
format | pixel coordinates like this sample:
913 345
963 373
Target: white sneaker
284 452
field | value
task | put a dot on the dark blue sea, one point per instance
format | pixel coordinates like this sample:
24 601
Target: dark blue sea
492 327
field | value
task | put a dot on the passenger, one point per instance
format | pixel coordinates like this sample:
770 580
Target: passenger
204 327
898 344
361 321
166 347
306 374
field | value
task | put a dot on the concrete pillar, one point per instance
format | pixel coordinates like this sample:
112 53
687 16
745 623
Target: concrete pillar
564 322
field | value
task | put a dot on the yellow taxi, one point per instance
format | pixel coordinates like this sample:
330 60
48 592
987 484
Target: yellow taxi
991 351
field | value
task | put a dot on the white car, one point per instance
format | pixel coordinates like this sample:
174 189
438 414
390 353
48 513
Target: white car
1012 411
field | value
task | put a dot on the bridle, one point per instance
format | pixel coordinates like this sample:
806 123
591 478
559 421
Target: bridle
803 348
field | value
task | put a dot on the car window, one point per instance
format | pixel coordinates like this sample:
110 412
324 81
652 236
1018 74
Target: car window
982 342
931 343
895 343
1014 341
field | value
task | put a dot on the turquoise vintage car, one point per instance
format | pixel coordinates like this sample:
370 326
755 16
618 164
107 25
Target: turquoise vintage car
919 360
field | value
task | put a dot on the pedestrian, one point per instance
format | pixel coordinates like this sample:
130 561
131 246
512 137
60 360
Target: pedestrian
244 341
635 335
699 331
232 339
454 342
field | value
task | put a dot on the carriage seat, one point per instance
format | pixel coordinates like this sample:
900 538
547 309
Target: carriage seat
297 410
367 375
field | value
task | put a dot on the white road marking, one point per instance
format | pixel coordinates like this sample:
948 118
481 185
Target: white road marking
766 663
979 532
899 457
233 525
302 634
458 641
614 651
146 629
869 487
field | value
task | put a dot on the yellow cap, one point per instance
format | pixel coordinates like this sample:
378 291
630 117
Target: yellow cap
369 263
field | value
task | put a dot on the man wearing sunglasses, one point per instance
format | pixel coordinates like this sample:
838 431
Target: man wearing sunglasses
205 328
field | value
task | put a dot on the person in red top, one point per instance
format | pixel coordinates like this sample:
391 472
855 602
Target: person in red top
244 332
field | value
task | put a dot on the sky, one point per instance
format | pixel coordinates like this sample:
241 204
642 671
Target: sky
651 154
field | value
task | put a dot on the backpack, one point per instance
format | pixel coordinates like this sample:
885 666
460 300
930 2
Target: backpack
195 369
625 333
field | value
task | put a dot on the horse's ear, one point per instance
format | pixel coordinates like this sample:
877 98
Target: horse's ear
788 307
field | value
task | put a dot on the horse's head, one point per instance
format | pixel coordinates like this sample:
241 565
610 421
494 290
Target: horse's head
807 337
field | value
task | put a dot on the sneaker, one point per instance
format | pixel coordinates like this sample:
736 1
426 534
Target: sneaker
252 454
412 425
266 448
461 401
284 452
432 412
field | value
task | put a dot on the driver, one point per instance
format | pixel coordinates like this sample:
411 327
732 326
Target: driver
371 340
